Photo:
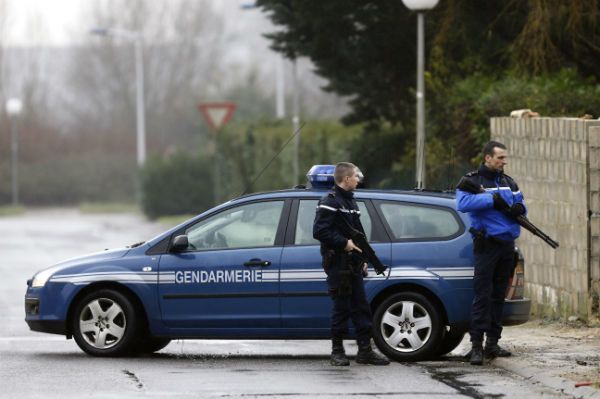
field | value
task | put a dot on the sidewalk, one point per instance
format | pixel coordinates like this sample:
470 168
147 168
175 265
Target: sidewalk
557 355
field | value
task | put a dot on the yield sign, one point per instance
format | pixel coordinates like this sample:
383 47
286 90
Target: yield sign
217 114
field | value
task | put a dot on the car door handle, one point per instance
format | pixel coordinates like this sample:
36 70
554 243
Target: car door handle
257 262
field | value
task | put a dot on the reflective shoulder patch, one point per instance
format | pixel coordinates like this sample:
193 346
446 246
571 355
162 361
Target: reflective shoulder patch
329 208
344 210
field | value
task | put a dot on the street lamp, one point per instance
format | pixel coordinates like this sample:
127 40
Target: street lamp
296 122
136 38
13 109
279 76
280 105
420 6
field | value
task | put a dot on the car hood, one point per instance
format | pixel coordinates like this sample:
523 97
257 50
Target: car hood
89 258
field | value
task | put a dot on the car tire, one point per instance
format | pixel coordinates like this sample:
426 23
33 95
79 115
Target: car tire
151 344
105 324
451 340
407 327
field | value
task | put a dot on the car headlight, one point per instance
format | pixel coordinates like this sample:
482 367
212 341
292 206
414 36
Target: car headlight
40 278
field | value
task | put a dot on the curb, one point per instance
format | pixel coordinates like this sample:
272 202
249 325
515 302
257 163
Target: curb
543 376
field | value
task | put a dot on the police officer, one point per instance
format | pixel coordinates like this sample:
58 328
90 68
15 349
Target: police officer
494 233
344 267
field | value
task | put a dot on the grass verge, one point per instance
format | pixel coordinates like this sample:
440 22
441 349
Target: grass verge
108 207
12 210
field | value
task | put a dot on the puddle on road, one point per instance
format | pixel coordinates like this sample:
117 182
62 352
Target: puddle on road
134 378
454 378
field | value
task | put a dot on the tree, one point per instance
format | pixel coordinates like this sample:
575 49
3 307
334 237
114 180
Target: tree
366 51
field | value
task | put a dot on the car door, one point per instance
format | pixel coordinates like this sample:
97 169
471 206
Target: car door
228 276
305 302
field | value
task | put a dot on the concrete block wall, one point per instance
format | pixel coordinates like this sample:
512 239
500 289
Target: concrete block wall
594 266
550 160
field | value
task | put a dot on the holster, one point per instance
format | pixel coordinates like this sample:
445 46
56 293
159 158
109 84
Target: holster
345 274
478 240
356 264
327 258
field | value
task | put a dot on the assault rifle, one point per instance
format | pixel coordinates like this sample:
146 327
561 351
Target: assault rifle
470 187
361 241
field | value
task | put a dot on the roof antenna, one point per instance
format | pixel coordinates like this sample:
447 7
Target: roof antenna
272 159
451 167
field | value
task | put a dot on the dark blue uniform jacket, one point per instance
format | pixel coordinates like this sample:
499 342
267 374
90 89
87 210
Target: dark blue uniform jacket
481 206
338 203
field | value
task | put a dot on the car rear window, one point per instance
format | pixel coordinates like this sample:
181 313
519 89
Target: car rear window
413 221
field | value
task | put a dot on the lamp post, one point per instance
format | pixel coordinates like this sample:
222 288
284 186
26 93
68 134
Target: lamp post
279 76
420 6
280 105
296 123
13 109
136 38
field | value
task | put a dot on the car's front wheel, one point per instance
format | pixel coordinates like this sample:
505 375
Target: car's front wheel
152 344
407 327
105 324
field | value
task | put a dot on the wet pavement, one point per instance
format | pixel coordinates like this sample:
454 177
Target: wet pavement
43 365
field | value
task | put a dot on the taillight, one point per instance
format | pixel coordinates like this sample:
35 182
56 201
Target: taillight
516 283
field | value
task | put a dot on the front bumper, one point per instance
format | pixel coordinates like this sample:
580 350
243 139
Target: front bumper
516 311
37 322
48 326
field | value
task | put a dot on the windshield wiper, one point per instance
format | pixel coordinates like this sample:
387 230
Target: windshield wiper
137 244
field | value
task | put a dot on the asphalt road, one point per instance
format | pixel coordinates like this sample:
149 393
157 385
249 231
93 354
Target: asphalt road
43 365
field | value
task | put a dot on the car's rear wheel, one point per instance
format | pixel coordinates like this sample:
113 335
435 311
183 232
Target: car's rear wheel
105 324
407 327
451 340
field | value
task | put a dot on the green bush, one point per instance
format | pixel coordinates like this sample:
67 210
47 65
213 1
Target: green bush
179 184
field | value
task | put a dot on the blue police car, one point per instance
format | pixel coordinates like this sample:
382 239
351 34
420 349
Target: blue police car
250 268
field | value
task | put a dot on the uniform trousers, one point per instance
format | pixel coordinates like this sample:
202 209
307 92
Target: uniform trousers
494 263
346 306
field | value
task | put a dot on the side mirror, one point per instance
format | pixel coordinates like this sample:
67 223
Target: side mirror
180 243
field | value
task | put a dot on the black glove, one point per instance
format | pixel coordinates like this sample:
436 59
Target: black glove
465 184
380 270
517 209
499 202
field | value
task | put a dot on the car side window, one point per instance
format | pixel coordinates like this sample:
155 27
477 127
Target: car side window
306 218
415 221
245 226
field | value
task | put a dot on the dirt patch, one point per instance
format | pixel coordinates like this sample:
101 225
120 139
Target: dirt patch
570 350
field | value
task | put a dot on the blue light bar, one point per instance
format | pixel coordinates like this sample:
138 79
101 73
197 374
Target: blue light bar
321 176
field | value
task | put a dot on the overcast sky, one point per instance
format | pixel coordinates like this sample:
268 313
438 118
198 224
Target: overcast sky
61 22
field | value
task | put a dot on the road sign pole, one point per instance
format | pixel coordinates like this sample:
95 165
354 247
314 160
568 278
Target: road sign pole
217 173
217 115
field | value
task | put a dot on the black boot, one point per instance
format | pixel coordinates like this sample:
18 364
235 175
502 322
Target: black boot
476 354
338 355
492 349
366 355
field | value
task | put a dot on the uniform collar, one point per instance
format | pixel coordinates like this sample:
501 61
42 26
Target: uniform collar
344 193
489 173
